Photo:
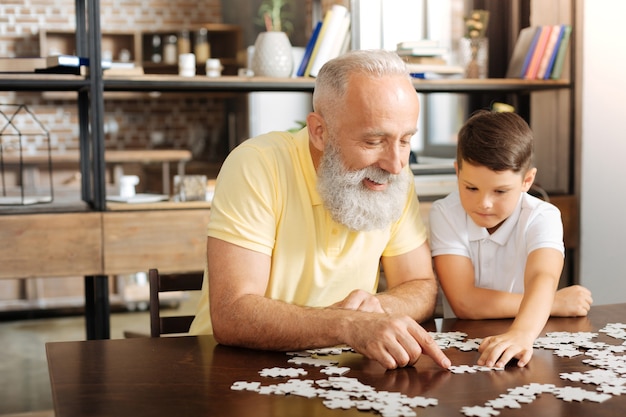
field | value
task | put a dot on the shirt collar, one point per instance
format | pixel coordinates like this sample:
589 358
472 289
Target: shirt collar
502 235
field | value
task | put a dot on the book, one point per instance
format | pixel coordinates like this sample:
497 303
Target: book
548 72
520 51
318 42
424 60
65 61
533 66
422 51
553 40
529 53
64 64
435 69
340 39
327 42
559 60
308 50
21 64
421 43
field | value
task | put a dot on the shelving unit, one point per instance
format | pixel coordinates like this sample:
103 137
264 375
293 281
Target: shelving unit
224 40
89 91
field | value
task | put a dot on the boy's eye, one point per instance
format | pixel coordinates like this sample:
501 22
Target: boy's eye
468 188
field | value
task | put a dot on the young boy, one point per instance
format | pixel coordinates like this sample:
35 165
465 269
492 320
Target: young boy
498 251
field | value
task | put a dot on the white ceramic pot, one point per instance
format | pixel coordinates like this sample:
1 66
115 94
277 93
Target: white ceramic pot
272 55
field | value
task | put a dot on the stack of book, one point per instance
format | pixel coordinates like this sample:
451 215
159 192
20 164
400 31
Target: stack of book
329 39
539 52
425 58
56 64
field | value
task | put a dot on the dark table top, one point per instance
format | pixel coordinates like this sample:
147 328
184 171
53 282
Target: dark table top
192 376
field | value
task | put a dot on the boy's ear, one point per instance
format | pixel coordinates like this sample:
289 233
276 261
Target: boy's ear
317 129
529 179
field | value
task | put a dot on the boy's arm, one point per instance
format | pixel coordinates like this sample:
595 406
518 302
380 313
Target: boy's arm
541 277
456 276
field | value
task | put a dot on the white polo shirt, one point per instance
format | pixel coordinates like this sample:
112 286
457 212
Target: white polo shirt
499 259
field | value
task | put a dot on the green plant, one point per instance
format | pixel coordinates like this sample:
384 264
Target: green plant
274 15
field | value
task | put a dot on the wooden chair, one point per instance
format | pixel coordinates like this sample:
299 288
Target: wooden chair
164 283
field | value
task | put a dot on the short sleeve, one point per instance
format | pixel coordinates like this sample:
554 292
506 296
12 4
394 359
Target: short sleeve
243 208
448 232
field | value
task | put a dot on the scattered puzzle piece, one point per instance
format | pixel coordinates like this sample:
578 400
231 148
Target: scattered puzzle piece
277 372
298 360
478 411
503 403
342 392
245 386
335 370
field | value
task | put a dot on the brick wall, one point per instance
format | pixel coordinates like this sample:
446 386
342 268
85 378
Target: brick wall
132 121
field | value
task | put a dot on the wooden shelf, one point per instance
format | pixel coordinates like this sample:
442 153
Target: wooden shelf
152 82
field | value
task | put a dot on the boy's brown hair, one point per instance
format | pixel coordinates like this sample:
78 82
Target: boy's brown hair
498 141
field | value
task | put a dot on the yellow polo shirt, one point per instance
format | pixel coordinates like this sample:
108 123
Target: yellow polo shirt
266 200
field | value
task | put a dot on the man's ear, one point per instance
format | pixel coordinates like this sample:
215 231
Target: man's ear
317 129
529 178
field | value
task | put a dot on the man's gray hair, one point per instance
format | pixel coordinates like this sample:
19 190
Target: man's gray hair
332 80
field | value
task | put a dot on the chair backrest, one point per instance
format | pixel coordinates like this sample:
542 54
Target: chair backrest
165 283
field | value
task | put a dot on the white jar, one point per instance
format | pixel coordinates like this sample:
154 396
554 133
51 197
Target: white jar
127 186
213 67
187 65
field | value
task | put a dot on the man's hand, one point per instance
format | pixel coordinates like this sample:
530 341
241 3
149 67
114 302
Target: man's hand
393 341
360 300
500 349
572 301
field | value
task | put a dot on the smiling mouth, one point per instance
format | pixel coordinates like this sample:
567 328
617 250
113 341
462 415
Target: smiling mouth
373 185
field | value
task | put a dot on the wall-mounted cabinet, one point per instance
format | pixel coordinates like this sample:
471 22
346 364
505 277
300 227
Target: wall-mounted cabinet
156 52
222 42
116 46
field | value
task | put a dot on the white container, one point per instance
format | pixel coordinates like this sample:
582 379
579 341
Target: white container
127 185
272 55
187 65
213 67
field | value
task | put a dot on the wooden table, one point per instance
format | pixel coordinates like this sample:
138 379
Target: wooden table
192 376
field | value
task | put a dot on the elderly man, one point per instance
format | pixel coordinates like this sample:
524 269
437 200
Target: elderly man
300 225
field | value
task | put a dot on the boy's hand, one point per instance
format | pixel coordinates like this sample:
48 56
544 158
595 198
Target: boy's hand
571 301
497 351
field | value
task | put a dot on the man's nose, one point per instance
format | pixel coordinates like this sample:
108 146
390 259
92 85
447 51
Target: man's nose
393 160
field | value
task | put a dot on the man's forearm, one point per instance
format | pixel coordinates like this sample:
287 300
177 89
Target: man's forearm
258 322
415 298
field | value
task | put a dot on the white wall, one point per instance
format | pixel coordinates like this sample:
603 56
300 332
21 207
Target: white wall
603 151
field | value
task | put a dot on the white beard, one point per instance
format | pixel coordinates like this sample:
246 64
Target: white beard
350 202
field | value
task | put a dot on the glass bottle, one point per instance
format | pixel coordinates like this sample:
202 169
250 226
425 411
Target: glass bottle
170 53
201 46
184 42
